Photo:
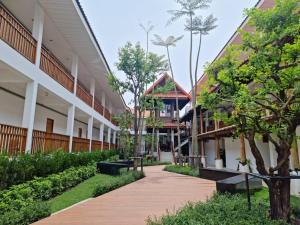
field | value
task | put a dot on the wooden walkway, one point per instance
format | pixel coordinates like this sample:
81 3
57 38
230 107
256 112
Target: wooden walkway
133 204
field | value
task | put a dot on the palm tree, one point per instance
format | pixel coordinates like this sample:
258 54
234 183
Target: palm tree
188 9
200 27
171 42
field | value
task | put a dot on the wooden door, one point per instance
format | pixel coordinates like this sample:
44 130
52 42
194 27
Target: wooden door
80 132
49 131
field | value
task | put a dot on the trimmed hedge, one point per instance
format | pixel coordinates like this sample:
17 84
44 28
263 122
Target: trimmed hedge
23 168
221 209
186 170
122 180
26 198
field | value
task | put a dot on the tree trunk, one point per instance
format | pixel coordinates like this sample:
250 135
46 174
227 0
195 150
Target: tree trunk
280 191
280 199
243 159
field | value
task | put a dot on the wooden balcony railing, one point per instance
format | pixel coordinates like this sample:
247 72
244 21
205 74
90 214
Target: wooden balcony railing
55 69
112 146
84 95
80 145
105 146
107 114
96 145
12 139
98 107
16 35
114 122
48 142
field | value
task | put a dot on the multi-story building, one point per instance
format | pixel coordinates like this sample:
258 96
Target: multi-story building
54 91
166 133
217 147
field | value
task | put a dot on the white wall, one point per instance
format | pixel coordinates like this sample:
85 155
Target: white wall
11 112
232 151
78 125
210 153
40 120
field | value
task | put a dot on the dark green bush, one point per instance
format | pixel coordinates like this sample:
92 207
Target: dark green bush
22 168
219 210
122 180
186 170
40 189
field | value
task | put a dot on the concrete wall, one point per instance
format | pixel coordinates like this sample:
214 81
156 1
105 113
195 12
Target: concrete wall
11 112
210 153
232 151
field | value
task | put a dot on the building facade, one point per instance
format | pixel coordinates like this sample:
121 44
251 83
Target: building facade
166 134
217 146
54 91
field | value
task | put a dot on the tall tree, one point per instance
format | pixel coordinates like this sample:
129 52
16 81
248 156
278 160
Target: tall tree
139 70
188 9
261 80
167 43
147 29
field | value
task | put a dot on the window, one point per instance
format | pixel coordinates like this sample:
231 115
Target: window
166 111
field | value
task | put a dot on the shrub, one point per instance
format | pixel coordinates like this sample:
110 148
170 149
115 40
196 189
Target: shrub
26 215
122 180
22 168
221 209
26 198
186 170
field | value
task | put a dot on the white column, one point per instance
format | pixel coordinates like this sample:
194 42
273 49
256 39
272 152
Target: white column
92 90
101 134
114 137
90 132
29 112
109 136
172 138
70 125
37 31
74 71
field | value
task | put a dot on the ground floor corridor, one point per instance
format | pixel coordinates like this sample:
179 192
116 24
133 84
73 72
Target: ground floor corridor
152 196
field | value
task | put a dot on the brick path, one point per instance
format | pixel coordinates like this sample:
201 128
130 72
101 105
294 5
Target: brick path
134 203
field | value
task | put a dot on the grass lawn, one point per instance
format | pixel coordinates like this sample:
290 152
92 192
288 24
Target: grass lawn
186 170
79 193
87 189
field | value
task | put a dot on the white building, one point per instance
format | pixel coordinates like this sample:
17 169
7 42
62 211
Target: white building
54 91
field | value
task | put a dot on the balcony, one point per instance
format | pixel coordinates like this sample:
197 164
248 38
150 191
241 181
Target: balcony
98 107
20 38
80 144
16 35
84 95
107 114
105 146
12 139
52 66
96 145
47 142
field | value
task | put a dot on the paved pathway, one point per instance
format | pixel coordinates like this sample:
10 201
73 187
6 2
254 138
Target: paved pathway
134 203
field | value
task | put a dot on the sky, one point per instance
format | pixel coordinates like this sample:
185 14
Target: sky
116 22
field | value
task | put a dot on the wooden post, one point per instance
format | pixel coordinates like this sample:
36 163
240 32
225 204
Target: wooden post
243 158
295 154
217 148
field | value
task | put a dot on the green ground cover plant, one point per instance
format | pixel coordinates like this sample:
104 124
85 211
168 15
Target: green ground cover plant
186 170
222 209
22 168
94 186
